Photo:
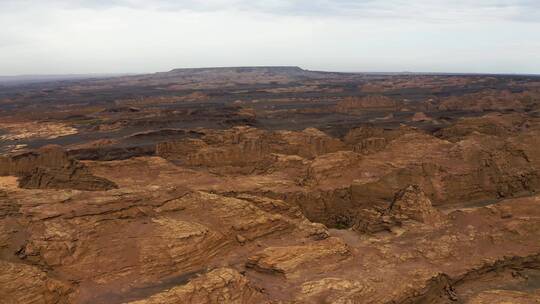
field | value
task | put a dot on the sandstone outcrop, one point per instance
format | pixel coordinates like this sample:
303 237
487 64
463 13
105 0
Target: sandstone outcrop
20 283
372 164
505 297
334 290
420 116
135 239
222 285
51 167
490 124
485 101
472 169
49 156
34 130
271 185
73 176
290 261
409 204
368 139
176 233
247 147
371 102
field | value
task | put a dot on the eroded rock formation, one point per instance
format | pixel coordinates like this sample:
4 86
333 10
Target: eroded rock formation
409 204
271 185
372 102
51 167
247 147
222 285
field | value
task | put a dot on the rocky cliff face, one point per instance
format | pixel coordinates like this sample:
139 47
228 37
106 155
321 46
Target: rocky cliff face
409 204
50 167
368 139
271 185
222 285
486 100
49 156
373 102
69 177
494 157
175 233
155 233
160 244
245 146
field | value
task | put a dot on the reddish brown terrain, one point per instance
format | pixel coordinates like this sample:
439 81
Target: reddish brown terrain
271 185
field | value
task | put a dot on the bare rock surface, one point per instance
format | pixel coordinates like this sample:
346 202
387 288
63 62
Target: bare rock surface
222 285
51 167
409 204
506 296
71 177
412 203
272 185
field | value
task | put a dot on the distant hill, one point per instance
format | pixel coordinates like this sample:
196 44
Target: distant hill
225 76
212 76
258 69
291 71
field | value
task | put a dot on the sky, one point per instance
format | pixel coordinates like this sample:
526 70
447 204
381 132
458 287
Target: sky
140 36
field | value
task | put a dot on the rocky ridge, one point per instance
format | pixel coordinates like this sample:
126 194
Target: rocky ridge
271 185
51 167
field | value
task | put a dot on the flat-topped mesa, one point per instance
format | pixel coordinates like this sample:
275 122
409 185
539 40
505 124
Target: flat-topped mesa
291 70
50 167
219 76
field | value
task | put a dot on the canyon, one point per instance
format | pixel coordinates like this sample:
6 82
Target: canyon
271 185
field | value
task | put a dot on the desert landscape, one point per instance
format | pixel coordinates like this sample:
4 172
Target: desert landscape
270 185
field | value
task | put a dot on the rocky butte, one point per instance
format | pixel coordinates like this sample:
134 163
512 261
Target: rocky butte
272 185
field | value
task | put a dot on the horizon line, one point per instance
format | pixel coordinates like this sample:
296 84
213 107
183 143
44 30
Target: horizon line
118 74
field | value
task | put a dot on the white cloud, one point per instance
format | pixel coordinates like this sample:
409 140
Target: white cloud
60 36
448 10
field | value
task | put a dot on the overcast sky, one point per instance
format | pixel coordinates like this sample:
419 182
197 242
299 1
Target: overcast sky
112 36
